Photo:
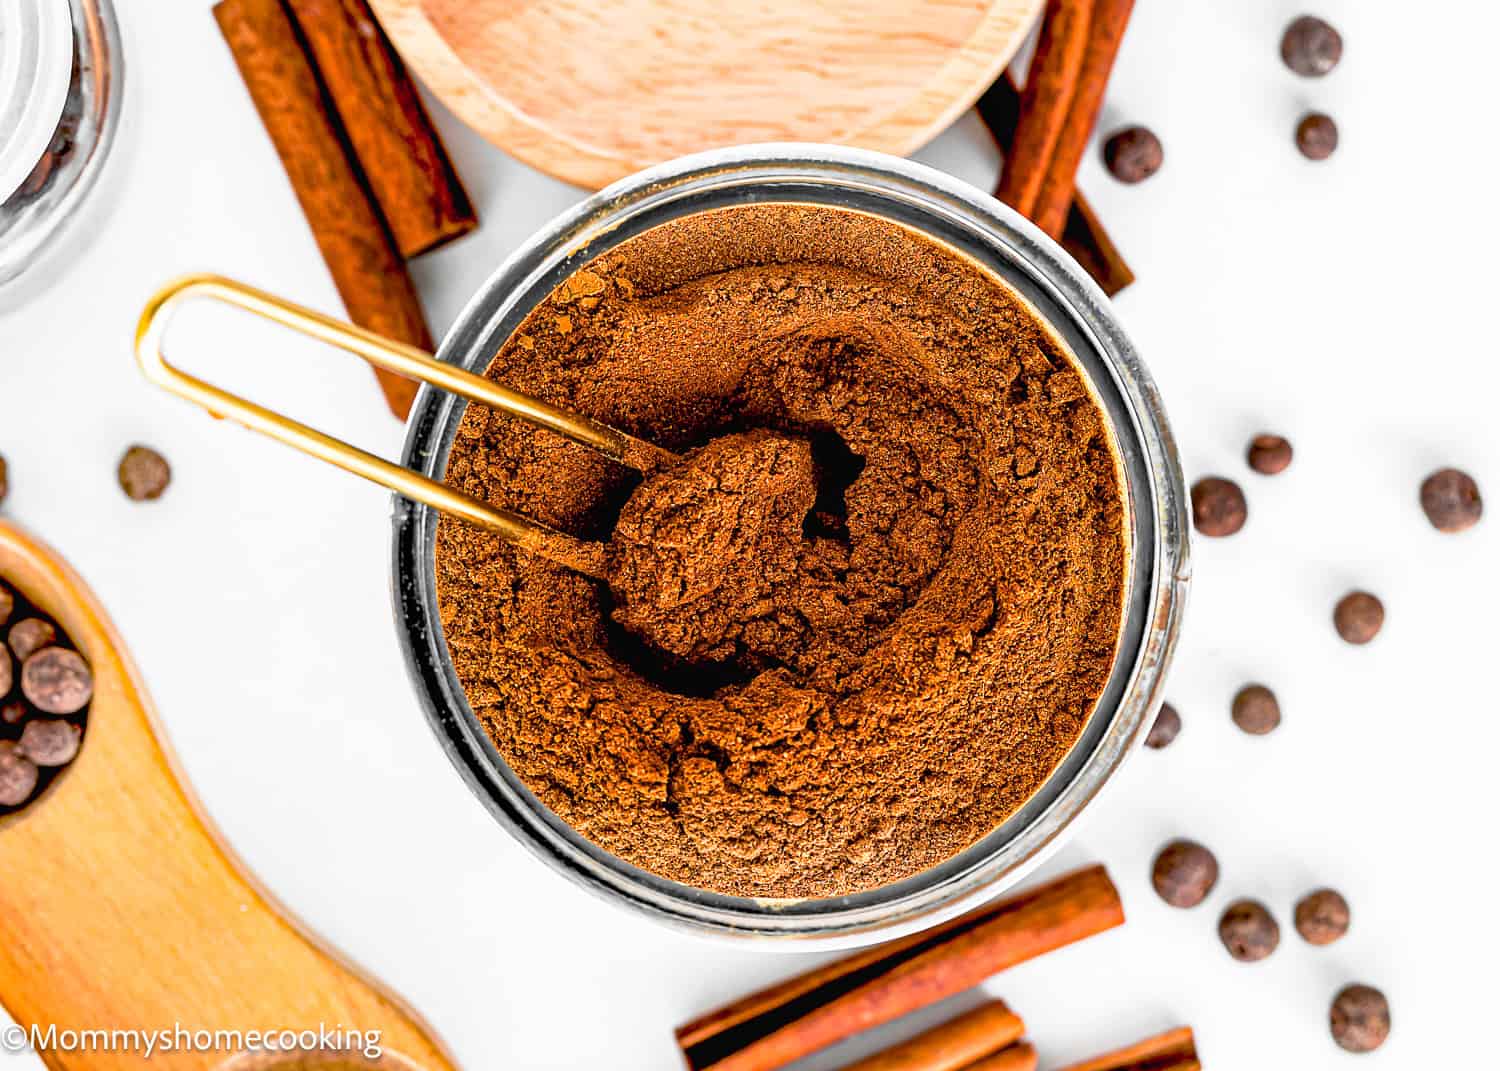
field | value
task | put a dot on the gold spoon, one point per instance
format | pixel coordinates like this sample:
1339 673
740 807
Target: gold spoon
580 555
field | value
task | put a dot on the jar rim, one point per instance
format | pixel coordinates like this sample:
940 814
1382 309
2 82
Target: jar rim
36 72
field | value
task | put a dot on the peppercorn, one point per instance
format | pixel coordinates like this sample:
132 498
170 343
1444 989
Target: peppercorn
1322 917
1360 1018
1358 617
1219 507
1248 931
1450 499
1311 47
1133 154
1184 873
1255 709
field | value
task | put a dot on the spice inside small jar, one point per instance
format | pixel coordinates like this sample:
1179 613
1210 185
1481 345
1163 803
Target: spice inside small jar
60 101
867 613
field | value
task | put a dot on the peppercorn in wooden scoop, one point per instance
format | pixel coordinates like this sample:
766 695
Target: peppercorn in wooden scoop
120 903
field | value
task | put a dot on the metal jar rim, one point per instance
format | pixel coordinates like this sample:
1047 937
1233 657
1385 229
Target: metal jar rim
979 226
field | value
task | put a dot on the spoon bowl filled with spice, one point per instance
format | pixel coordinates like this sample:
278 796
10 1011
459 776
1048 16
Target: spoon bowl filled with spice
884 531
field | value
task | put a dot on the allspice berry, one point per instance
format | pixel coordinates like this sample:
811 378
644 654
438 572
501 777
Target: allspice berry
1317 136
1133 154
4 479
1322 917
30 635
7 672
57 681
144 474
1165 729
50 741
1358 617
1248 931
1360 1018
13 712
1269 454
1255 709
18 775
7 604
1184 873
1219 507
1450 499
1311 47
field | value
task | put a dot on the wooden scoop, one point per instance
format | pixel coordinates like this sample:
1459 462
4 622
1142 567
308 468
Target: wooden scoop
121 907
534 538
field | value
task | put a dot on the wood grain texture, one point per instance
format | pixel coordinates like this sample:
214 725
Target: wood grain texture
592 90
121 906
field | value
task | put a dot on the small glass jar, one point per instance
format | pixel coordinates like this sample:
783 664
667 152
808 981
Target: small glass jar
60 83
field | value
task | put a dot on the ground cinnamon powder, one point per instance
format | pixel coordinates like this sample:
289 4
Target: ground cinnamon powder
863 618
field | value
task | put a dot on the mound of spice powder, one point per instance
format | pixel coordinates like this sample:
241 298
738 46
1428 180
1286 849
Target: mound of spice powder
865 616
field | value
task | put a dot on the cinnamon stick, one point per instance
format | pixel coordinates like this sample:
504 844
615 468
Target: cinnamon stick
1106 30
1084 236
399 151
785 1022
953 1045
1173 1051
1046 102
1019 1057
367 270
1087 242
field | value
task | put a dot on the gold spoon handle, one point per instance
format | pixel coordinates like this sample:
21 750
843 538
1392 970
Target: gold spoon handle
580 555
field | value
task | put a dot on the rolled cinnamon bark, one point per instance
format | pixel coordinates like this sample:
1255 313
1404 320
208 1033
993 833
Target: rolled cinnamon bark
367 271
1084 236
1087 242
1173 1051
1019 1057
1046 102
772 1028
399 151
953 1045
1106 30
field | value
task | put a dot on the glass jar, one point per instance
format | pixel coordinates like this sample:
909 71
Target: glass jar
60 82
957 215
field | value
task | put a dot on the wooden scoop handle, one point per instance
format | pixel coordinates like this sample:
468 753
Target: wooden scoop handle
122 907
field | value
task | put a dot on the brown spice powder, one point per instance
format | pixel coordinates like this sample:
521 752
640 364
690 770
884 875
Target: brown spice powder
852 634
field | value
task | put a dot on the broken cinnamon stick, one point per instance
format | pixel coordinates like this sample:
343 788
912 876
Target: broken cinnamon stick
1172 1051
785 1022
1084 236
367 270
1019 1057
399 151
953 1045
1046 102
1106 30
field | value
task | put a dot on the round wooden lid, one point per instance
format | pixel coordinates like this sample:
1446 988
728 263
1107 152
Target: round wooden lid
591 90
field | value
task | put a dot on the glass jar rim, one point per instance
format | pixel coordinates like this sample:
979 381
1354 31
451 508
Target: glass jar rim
36 71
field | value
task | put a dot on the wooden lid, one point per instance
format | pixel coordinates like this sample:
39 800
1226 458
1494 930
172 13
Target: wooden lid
591 90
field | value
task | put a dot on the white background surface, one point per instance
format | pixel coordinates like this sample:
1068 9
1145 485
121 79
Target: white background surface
1346 304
